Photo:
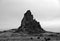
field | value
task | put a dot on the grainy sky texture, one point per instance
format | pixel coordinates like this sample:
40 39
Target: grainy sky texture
47 12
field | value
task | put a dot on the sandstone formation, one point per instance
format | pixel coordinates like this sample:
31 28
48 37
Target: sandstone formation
29 25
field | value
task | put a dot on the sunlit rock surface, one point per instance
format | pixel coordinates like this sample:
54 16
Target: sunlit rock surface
29 25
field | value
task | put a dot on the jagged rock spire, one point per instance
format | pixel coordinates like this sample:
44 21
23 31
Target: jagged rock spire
30 25
27 17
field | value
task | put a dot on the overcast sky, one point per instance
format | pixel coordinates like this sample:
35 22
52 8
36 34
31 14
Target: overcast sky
47 12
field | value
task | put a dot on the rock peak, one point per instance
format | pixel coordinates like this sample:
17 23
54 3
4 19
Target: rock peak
28 13
27 16
30 25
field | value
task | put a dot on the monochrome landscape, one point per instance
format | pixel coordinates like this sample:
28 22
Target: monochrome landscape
30 30
29 20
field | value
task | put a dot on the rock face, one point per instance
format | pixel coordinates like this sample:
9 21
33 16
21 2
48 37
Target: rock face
30 25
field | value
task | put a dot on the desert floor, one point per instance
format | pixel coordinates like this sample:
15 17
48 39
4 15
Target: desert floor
9 36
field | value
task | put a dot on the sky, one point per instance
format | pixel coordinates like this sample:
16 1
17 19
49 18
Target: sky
47 12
